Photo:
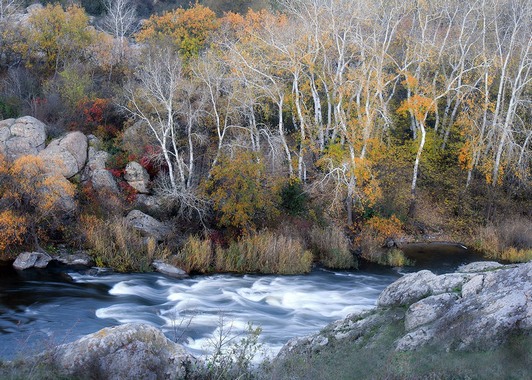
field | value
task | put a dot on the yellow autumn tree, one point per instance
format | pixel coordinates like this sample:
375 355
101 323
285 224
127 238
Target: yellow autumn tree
240 192
55 35
33 202
187 29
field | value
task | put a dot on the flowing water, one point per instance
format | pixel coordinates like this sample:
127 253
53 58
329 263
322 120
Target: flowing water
40 308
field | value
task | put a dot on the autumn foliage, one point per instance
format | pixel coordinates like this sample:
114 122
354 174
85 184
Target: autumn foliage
187 29
33 203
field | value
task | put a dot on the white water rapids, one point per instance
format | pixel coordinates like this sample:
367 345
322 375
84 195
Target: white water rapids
61 308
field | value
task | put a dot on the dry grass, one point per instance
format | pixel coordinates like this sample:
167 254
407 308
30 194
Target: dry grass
332 247
195 255
263 252
508 240
115 245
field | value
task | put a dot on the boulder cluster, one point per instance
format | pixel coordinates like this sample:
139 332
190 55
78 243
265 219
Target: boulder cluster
79 158
478 307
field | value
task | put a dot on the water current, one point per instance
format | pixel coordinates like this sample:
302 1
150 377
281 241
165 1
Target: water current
40 308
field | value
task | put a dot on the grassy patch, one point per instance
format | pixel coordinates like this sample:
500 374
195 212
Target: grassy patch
263 252
332 247
375 358
113 244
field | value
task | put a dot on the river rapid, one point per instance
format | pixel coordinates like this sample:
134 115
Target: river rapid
43 308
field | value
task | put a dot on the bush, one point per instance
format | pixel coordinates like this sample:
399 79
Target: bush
332 247
232 353
264 252
116 245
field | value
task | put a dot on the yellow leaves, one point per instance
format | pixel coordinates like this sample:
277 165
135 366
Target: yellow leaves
187 29
239 191
58 34
35 189
384 228
410 81
465 158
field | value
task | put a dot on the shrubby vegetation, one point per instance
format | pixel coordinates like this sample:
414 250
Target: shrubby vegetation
360 123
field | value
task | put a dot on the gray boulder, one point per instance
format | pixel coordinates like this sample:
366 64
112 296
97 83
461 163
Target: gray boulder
428 310
28 260
103 180
168 269
408 289
416 286
152 203
129 351
21 137
480 266
68 155
147 225
137 177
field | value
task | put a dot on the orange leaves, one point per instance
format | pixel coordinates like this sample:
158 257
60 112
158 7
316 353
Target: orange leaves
187 29
419 105
385 227
12 229
32 198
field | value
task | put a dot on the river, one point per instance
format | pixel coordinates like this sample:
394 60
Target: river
42 308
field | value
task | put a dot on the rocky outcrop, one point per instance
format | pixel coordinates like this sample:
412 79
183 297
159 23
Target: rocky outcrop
168 269
95 170
147 225
68 155
137 177
476 308
129 351
28 260
21 137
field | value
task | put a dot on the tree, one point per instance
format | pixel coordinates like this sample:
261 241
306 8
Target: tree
240 192
33 201
170 107
59 35
186 29
120 21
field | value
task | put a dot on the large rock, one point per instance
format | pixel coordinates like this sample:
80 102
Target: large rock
102 180
68 155
28 260
147 225
168 269
137 177
415 286
78 258
21 137
478 308
129 351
